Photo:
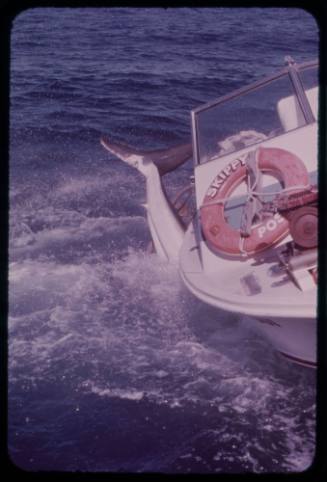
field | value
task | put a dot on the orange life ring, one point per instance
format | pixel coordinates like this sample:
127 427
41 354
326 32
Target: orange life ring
221 236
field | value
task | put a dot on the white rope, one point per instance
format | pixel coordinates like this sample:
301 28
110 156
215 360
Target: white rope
272 193
241 246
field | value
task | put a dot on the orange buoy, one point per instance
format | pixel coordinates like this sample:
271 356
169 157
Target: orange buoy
221 236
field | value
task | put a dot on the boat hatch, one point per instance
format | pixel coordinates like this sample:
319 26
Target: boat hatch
263 110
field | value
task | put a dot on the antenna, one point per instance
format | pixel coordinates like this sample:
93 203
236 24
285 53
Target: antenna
289 60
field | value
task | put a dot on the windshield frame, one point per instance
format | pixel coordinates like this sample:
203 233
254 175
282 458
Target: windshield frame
292 70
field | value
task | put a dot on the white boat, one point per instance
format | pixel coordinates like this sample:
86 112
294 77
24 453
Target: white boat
250 245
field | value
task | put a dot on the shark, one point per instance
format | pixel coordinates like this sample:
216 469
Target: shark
167 230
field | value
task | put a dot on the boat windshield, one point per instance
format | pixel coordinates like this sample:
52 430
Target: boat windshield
310 80
264 110
309 76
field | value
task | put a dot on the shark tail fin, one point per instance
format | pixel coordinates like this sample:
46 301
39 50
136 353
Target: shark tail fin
165 160
127 154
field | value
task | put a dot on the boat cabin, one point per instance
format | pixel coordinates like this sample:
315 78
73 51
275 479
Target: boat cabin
279 111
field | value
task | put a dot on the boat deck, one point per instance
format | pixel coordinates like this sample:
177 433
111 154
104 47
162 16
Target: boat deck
245 286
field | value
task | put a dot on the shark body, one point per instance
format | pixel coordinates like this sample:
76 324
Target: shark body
166 228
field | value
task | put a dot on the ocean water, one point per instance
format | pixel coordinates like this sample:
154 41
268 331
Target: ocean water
113 365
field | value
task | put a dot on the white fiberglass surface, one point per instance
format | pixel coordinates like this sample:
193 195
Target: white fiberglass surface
300 142
223 286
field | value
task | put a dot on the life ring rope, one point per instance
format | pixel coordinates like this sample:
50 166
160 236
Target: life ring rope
241 246
259 193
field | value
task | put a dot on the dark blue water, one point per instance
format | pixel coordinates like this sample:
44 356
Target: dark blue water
113 365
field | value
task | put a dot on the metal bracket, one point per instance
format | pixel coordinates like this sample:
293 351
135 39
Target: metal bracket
253 206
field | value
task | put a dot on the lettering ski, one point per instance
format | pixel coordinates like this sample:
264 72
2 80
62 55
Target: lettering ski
223 176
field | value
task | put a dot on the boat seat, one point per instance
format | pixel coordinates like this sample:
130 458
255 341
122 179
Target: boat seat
290 113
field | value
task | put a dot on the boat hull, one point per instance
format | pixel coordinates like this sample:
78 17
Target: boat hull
284 315
294 338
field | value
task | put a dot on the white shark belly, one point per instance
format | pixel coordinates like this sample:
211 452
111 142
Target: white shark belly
166 231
